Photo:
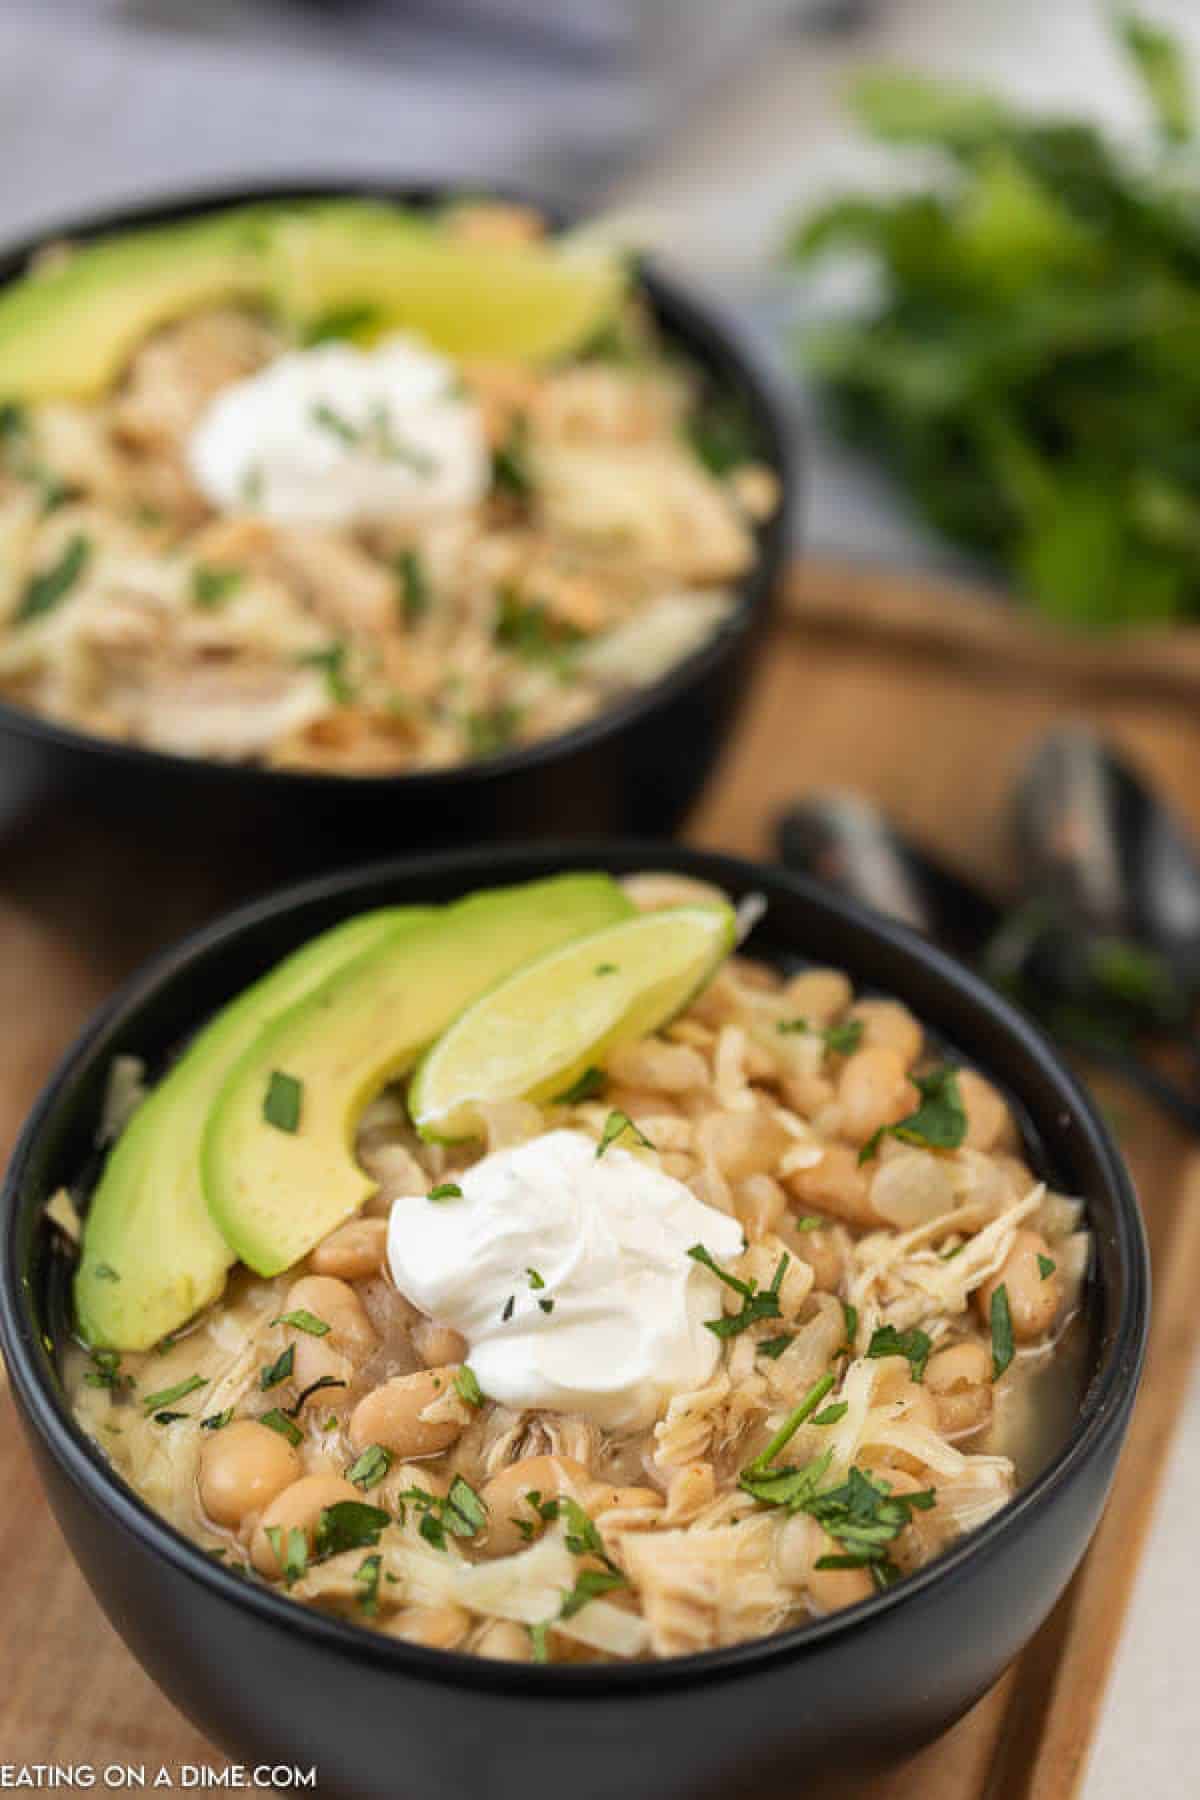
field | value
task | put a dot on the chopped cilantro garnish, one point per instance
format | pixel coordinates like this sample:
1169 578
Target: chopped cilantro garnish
331 662
366 1580
790 1427
589 1585
850 1316
510 461
938 1123
348 1525
915 1345
841 1039
490 732
756 1303
462 1513
168 1396
370 1468
809 1222
547 1306
292 1559
1046 1267
415 591
279 1421
169 1418
342 322
43 591
281 1106
279 1370
774 1347
539 1639
217 1421
535 1280
105 1371
303 1320
445 1190
590 1084
507 1314
831 1414
466 1384
212 586
615 1126
1002 1331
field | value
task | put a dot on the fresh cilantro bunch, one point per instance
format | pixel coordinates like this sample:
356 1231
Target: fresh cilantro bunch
1028 366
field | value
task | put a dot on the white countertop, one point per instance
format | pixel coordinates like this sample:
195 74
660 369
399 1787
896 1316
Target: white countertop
101 100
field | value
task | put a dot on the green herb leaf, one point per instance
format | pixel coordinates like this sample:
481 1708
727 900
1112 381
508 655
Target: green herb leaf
850 1315
510 462
617 1125
507 1314
590 1084
303 1320
342 322
279 1370
415 592
844 1039
445 1190
539 1638
1159 59
915 1345
348 1525
1003 1348
294 1558
791 1425
275 1420
369 1469
466 1384
168 1396
830 1415
546 1306
105 1371
366 1580
169 1418
217 1421
757 1304
283 1100
590 1584
212 586
938 1123
466 1503
331 662
1046 1267
44 591
774 1347
535 1280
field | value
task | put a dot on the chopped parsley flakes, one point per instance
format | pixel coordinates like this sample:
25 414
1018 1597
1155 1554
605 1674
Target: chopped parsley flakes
938 1123
615 1126
915 1345
757 1303
283 1100
1003 1348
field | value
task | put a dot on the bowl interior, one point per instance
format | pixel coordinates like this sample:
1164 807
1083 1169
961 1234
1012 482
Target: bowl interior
802 923
709 343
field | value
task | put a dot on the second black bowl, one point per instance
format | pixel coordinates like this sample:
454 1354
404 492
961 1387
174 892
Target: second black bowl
635 767
274 1682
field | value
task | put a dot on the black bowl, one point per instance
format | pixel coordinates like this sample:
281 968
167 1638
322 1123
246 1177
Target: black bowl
635 767
271 1681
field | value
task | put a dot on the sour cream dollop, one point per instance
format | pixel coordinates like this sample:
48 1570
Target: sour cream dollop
334 435
608 1310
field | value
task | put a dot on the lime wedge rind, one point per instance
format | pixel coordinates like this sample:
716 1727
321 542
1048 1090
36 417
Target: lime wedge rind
533 1035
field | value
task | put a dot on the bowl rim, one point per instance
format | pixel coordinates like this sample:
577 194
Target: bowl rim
705 330
1103 1411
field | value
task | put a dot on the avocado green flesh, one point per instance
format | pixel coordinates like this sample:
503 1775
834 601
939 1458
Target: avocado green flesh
151 1255
70 329
272 1193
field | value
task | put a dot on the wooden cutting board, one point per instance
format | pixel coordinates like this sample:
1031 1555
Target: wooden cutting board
924 698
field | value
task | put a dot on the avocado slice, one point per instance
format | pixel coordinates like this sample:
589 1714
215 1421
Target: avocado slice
69 329
151 1255
277 1178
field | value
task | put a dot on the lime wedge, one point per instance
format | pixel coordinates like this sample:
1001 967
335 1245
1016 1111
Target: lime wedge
400 272
532 1036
